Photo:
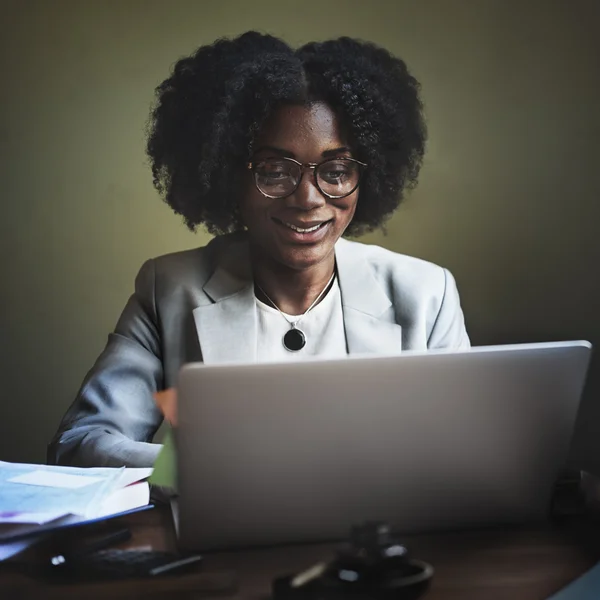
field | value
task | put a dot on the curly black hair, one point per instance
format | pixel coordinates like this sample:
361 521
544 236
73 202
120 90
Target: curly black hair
208 114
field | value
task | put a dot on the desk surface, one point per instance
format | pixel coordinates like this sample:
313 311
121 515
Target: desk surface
519 563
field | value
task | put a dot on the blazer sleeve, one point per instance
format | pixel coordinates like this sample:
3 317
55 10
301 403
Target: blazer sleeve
114 417
449 329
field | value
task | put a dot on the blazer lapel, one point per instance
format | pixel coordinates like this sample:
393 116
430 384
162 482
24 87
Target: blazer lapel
368 312
226 325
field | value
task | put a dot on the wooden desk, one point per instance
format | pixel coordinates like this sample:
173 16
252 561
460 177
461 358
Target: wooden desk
523 563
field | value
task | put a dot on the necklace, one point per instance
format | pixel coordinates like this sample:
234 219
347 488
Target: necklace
295 339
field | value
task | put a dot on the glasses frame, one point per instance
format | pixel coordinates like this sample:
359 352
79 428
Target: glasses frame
253 165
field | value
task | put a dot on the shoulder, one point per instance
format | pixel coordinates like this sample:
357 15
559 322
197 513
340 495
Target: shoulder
394 271
194 258
189 268
423 295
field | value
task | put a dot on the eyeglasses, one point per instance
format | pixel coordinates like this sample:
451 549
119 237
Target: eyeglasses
280 177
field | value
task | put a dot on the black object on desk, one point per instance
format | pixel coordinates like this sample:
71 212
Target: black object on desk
96 559
121 564
73 554
373 566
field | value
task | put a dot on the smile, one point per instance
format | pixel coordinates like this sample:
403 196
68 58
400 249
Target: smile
304 229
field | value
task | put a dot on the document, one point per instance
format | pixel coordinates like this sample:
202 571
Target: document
37 499
26 488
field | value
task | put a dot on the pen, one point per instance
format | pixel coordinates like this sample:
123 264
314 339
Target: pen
104 542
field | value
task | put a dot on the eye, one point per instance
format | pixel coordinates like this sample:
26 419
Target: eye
335 172
273 174
273 171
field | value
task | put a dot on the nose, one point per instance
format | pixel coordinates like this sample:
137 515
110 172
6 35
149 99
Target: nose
307 196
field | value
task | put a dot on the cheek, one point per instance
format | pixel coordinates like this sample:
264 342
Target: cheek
253 208
354 203
347 207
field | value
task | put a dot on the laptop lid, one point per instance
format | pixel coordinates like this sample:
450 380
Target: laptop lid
298 452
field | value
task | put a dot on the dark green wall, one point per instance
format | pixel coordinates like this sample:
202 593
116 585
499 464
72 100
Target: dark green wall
508 199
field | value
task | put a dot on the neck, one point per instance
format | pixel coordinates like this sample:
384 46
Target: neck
293 291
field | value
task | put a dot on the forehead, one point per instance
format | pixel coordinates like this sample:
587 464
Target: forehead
302 130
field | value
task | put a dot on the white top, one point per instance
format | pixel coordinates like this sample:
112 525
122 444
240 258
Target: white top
323 327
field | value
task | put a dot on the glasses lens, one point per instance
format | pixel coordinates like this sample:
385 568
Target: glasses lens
277 177
338 177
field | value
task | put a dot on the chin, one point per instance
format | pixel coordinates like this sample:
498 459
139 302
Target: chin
301 259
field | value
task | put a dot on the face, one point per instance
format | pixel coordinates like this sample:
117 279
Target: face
308 134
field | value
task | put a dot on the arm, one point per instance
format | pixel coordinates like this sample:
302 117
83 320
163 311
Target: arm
449 328
114 416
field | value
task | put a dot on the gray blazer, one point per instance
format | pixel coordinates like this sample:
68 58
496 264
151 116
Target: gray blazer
198 305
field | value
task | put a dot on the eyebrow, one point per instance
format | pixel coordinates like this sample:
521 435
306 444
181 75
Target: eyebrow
288 154
335 151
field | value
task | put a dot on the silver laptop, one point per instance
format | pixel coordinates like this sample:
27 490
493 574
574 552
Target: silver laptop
282 453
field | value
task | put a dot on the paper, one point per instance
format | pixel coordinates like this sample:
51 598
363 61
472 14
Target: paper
127 498
18 497
587 587
133 475
8 518
128 477
54 480
121 500
37 499
165 466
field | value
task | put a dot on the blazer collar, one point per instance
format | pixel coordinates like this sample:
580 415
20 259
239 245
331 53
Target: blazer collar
360 290
370 329
227 324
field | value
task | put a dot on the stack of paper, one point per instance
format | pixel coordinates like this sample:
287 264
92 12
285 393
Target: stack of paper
35 499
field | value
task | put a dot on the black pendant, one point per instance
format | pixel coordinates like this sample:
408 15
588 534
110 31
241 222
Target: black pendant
294 340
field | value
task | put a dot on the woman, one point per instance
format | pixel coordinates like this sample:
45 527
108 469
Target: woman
279 153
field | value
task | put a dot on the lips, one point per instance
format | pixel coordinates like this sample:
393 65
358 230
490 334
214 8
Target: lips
303 232
299 227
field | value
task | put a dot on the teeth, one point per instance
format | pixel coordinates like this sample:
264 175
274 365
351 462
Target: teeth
300 230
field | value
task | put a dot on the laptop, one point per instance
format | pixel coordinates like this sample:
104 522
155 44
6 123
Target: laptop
299 452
